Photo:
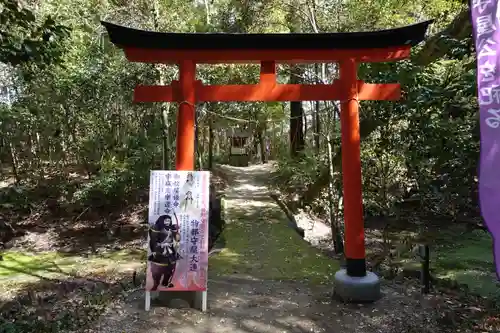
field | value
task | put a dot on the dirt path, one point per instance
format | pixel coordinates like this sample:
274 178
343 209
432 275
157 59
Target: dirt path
245 303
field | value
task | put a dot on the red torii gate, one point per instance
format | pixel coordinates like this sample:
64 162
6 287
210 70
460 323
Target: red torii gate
347 49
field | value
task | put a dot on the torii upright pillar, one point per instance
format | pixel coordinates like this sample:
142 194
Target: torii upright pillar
351 171
184 153
353 282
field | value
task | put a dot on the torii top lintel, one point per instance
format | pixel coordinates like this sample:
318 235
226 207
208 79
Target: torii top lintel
372 46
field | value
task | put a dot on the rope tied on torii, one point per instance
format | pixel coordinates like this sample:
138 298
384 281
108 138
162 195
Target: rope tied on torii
242 120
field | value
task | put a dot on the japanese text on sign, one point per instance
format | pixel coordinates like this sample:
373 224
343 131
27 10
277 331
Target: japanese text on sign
183 197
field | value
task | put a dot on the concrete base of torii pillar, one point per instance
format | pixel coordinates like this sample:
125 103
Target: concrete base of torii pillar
352 289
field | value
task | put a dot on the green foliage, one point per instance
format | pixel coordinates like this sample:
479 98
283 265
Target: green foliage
115 184
295 174
25 38
443 148
16 198
104 190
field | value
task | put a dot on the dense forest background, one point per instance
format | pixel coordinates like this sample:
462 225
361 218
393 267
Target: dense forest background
69 127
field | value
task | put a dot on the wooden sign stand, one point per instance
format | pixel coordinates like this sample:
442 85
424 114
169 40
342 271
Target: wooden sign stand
199 300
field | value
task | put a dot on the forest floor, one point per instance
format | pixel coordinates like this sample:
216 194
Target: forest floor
460 257
264 279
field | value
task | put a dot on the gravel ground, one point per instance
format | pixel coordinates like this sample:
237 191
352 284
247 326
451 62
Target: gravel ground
245 305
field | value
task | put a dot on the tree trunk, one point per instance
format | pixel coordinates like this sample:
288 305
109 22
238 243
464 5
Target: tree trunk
207 11
317 127
334 225
337 234
210 143
217 139
304 126
438 45
282 135
198 151
317 119
164 107
262 144
165 139
38 155
297 143
204 141
13 160
366 127
255 150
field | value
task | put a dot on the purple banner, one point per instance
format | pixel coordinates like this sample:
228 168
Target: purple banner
486 33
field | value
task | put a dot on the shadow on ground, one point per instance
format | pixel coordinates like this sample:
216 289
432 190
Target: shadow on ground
63 304
247 305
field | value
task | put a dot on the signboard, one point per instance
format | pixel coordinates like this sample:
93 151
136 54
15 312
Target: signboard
485 16
238 151
178 231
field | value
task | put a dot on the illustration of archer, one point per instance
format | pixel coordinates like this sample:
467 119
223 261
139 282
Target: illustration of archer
164 241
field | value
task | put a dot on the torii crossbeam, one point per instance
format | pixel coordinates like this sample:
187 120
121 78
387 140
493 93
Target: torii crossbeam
347 49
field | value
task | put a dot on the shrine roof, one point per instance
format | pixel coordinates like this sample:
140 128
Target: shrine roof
125 37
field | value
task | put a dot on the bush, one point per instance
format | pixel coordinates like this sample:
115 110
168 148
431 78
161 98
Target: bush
296 173
116 182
